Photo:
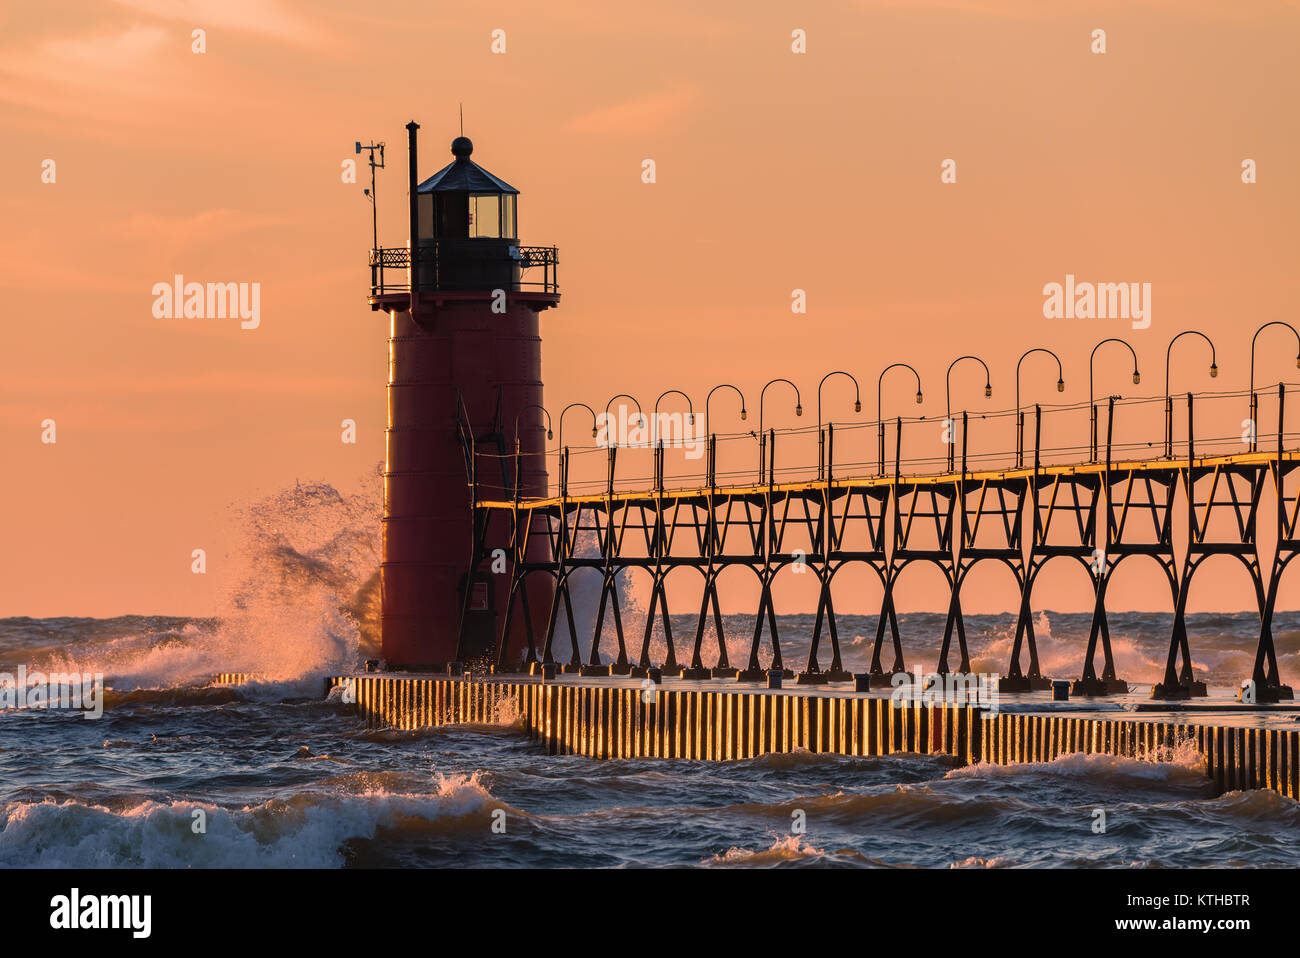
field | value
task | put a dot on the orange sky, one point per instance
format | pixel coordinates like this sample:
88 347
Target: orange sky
775 171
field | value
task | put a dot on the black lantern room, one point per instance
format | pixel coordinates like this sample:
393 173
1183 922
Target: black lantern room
468 227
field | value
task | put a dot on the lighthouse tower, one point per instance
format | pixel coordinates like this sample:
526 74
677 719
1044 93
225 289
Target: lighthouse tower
464 381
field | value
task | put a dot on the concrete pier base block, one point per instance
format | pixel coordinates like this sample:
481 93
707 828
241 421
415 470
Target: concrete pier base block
751 675
1024 683
594 671
1274 693
811 678
724 672
695 674
1099 687
620 668
1268 694
1179 692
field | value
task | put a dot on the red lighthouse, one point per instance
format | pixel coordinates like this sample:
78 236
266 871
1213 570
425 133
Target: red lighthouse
464 379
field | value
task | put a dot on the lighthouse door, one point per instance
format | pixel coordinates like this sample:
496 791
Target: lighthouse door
478 625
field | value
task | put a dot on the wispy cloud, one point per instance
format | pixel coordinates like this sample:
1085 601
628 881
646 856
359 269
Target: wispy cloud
86 77
139 238
649 114
207 226
267 18
104 58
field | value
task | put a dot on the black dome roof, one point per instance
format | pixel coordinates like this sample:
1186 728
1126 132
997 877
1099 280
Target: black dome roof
464 175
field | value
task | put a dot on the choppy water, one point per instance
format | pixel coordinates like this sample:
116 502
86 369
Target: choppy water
285 779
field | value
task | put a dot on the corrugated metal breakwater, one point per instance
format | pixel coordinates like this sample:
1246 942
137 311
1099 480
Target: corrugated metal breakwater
601 720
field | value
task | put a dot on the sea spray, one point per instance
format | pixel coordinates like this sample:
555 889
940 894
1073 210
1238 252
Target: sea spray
301 603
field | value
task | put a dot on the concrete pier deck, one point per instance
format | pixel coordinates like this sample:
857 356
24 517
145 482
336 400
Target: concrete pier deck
1242 747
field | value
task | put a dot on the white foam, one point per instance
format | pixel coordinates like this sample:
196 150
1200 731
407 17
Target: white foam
305 831
301 586
783 848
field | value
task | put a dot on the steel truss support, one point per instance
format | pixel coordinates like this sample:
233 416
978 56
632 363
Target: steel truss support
1097 513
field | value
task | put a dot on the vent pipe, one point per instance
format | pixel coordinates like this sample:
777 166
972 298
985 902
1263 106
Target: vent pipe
413 175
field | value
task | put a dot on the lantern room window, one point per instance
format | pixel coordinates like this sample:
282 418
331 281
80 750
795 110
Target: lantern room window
485 215
509 228
491 216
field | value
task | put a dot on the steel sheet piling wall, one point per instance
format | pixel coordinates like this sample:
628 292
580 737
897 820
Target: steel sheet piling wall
713 724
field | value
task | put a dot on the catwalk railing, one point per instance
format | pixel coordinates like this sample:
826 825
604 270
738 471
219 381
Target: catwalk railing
1098 503
390 267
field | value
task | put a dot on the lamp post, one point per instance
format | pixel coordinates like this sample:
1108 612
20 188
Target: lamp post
947 403
690 412
762 437
1092 407
1020 416
708 436
744 414
857 407
519 461
640 415
880 423
1169 403
1254 400
657 441
564 455
532 405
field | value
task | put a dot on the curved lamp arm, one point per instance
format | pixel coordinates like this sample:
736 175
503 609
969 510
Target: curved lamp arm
798 401
1137 376
947 383
1214 366
744 413
857 394
880 383
690 410
1060 371
533 405
639 413
1276 322
574 405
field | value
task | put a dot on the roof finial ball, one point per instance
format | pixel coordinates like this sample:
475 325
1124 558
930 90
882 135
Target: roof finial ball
462 147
